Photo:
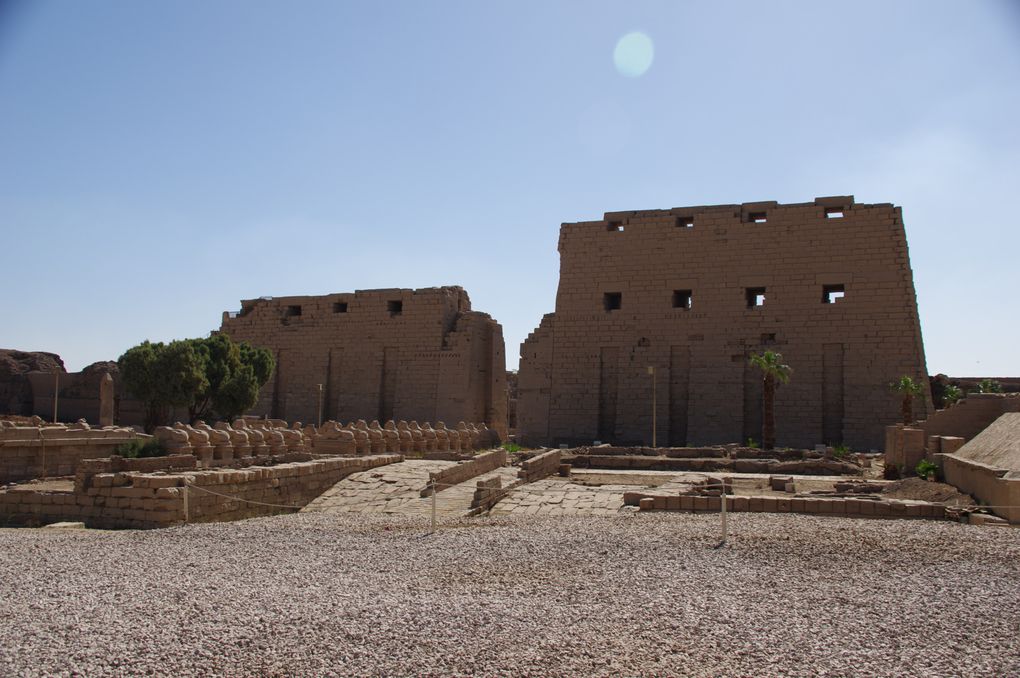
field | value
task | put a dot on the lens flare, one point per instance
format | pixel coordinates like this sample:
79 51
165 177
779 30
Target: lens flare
634 54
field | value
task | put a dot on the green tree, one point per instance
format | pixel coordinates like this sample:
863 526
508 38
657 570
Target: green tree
774 372
162 376
234 373
908 390
207 376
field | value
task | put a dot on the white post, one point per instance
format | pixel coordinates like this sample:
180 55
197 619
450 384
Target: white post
433 482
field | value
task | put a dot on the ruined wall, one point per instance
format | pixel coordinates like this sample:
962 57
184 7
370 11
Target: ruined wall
41 451
16 391
108 494
970 416
679 289
988 467
78 396
379 354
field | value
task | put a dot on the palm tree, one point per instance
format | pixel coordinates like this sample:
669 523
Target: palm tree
909 389
773 371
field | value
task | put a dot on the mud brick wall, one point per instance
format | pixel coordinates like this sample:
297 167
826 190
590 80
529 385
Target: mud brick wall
139 499
994 487
971 415
540 466
379 354
676 290
28 452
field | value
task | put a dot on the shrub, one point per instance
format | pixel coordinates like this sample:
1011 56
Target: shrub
138 448
511 447
752 443
989 386
840 451
926 469
951 394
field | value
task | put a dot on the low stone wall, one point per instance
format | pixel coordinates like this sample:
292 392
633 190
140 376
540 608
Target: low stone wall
540 466
732 451
815 466
838 506
968 417
28 452
105 498
465 470
997 488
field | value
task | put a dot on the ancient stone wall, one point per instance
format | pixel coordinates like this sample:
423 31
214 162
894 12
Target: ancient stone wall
378 354
693 292
105 498
78 396
16 392
28 452
540 466
971 415
988 467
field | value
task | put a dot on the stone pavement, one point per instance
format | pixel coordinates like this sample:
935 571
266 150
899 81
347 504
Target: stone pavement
396 489
381 490
560 496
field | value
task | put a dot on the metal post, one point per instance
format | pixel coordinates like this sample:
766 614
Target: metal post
433 483
722 497
651 371
56 392
42 447
320 404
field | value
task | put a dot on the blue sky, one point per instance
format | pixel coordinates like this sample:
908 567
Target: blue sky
161 161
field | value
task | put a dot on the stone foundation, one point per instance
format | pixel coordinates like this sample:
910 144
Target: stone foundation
28 452
106 498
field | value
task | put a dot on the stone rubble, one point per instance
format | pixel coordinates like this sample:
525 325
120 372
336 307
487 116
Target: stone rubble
629 594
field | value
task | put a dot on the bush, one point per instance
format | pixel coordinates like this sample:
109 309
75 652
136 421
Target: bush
138 448
840 451
511 447
752 443
989 386
926 469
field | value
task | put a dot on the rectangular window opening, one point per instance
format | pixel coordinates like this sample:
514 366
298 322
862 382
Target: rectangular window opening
755 297
833 212
768 338
682 299
685 222
395 307
832 293
615 226
612 301
292 311
757 217
339 307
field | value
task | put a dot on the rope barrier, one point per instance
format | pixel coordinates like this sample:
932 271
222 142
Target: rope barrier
249 501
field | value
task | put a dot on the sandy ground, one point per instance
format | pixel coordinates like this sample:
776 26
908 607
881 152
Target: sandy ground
633 594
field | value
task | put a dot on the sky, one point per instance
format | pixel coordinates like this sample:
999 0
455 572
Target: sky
161 161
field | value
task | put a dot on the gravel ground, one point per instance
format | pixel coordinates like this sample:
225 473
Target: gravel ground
623 595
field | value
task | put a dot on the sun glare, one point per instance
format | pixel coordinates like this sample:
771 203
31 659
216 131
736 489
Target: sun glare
633 54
